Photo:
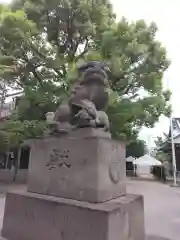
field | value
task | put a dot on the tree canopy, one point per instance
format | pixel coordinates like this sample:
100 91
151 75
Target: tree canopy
42 41
159 151
136 149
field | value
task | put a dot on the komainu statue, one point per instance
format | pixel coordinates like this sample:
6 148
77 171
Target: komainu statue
87 101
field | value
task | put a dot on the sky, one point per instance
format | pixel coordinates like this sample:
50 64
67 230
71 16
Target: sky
5 1
167 17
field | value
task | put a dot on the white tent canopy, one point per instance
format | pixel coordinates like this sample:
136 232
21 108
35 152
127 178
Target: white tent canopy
130 159
147 160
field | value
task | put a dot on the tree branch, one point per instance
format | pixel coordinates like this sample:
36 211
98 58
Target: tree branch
14 94
33 69
85 49
45 60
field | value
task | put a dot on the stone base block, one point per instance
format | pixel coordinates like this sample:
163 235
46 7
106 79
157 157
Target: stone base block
30 216
84 165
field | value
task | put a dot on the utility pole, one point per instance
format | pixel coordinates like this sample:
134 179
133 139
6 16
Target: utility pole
172 146
173 152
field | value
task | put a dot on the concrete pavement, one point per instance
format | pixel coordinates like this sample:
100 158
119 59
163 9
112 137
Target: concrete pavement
162 209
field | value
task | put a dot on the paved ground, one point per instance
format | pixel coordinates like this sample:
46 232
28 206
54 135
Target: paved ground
162 208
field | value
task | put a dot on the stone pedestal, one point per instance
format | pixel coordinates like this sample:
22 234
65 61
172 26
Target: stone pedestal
30 216
85 165
76 191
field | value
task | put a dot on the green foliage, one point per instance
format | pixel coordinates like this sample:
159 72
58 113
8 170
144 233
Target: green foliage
138 62
34 106
162 156
159 151
14 132
42 41
136 149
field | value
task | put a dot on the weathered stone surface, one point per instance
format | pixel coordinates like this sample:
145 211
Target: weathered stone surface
30 216
85 165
